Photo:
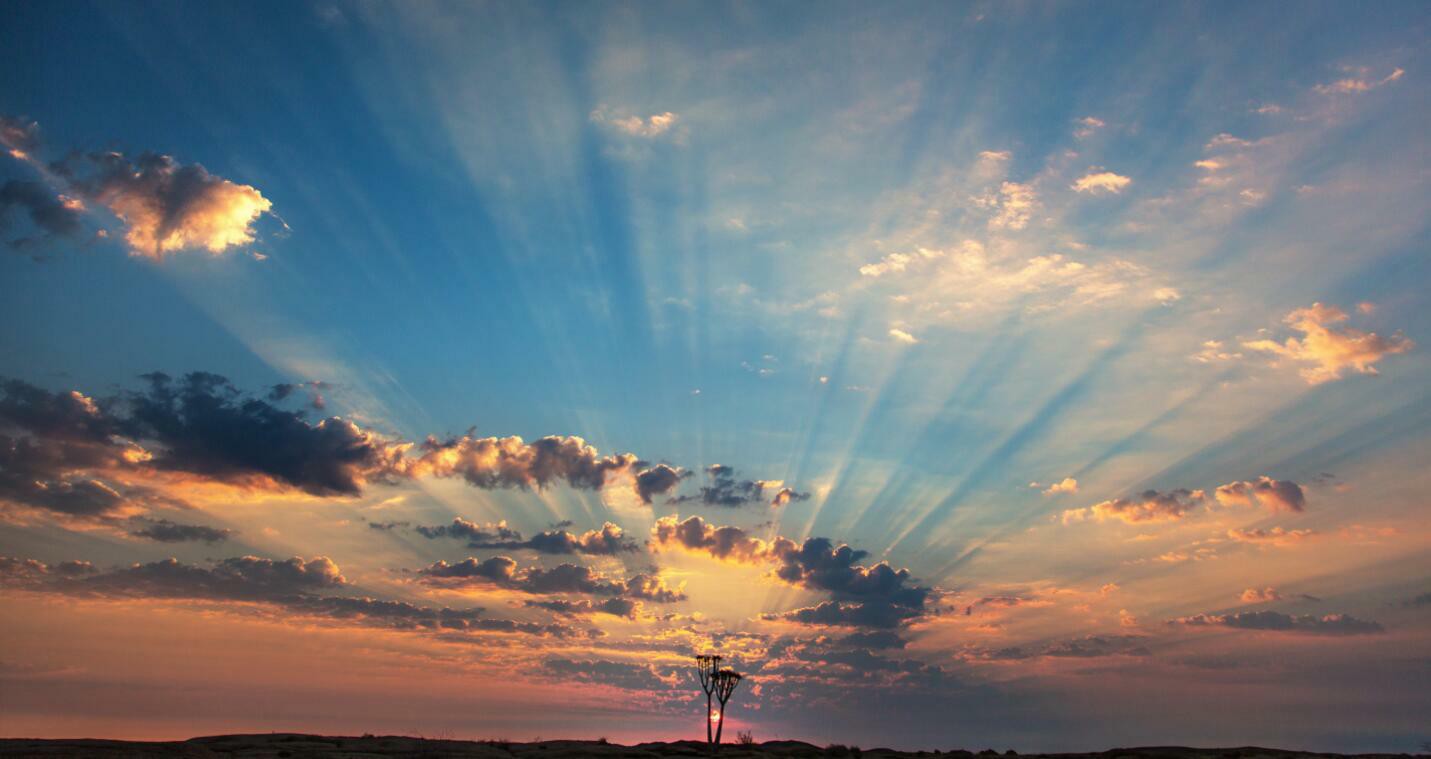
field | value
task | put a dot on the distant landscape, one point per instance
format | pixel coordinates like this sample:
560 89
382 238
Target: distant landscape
296 745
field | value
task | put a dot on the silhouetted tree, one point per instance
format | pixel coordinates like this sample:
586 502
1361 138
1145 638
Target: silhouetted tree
725 682
709 666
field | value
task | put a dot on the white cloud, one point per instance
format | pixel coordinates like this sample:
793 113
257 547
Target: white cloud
1353 85
1101 181
651 126
1015 203
1087 126
902 336
1331 351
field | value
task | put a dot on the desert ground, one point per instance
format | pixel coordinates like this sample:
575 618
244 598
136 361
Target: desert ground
295 745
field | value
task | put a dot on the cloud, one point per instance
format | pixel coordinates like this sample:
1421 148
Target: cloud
1275 495
1087 126
1331 351
1164 506
1259 596
168 207
66 452
165 206
1015 203
1087 647
1278 536
165 531
203 425
658 480
1149 506
53 214
1101 181
1356 85
296 585
502 571
470 531
864 596
616 607
1067 485
900 336
607 541
651 126
727 491
898 262
19 135
1331 624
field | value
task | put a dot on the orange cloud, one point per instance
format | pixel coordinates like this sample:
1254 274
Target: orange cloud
1331 351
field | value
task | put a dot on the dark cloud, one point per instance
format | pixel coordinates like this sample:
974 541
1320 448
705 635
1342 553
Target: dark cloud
625 675
470 531
864 596
313 389
502 571
725 490
1331 624
387 526
658 480
1087 647
65 452
609 540
1415 603
1099 645
875 640
617 607
51 214
296 585
166 531
205 426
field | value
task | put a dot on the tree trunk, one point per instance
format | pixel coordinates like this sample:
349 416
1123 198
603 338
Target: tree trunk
720 726
708 719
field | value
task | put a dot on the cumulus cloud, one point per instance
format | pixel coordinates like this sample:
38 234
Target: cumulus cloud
1148 506
900 336
1329 350
1274 495
165 206
861 595
1163 506
724 489
502 571
66 452
608 541
1260 595
616 607
1066 485
1331 624
1101 181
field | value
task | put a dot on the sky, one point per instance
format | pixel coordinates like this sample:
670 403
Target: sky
1017 375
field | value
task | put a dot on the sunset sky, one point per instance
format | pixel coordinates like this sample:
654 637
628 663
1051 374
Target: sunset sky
1035 376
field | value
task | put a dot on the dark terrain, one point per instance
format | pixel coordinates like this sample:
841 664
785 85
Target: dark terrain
293 745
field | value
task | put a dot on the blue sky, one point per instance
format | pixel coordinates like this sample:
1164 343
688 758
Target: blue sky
920 263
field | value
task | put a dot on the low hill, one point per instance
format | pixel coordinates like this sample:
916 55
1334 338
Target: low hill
284 745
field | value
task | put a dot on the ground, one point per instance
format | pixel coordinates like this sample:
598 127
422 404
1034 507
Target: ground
293 745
